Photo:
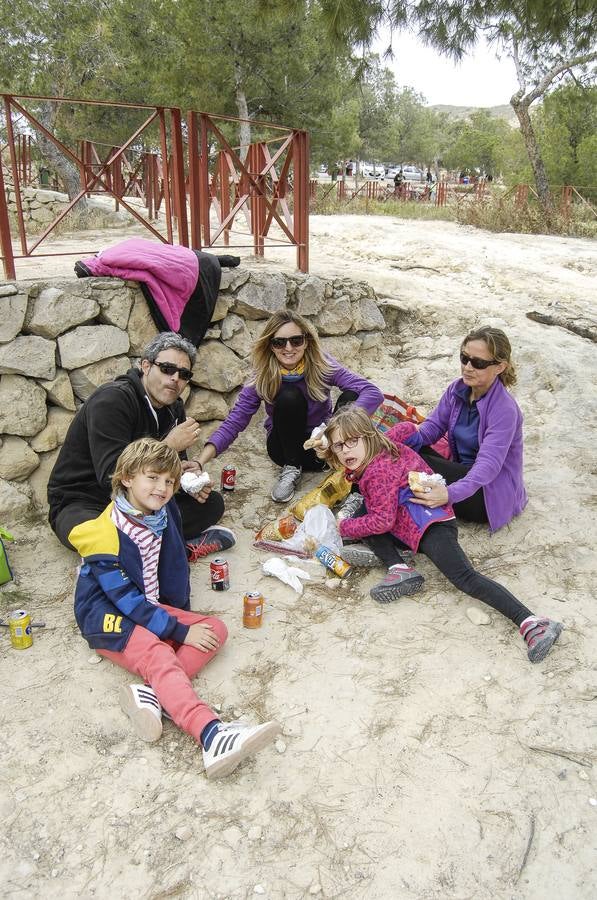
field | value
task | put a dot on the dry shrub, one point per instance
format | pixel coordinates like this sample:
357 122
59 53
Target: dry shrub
505 215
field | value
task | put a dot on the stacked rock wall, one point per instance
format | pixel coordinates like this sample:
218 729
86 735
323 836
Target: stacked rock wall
61 338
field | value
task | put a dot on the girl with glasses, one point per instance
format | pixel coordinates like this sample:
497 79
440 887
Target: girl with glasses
293 377
389 521
483 423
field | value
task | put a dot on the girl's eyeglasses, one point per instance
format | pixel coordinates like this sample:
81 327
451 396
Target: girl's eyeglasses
477 363
349 443
295 340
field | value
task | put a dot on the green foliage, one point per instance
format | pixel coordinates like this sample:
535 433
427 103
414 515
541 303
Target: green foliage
566 127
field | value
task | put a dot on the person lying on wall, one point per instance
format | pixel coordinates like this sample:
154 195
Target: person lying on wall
293 376
180 285
145 402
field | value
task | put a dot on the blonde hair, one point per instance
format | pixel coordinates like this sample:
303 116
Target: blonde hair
499 347
351 422
267 378
144 455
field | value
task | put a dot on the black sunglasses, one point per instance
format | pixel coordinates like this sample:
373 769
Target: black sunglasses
170 369
477 363
296 340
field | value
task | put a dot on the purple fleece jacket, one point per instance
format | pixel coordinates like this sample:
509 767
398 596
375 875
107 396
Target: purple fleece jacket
318 411
498 466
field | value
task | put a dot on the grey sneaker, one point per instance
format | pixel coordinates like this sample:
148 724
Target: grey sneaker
350 507
283 490
360 555
539 634
401 581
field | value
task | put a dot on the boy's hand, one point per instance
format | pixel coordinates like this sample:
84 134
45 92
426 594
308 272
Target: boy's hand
202 637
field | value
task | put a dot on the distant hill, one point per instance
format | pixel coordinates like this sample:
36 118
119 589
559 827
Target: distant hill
462 112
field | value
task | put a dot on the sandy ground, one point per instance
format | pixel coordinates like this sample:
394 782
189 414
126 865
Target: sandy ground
422 756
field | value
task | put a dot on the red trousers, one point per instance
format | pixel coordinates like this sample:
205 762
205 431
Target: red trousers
169 667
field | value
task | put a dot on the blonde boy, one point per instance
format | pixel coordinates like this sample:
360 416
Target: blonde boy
132 604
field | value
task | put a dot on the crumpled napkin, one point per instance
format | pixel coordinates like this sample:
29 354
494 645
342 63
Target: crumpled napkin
290 575
193 482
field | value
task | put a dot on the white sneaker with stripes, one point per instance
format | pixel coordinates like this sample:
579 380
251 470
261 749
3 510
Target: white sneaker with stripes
140 703
233 743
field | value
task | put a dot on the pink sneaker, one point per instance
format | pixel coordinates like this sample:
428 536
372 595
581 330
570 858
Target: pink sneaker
401 581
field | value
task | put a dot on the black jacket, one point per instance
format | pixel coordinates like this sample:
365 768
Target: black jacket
116 414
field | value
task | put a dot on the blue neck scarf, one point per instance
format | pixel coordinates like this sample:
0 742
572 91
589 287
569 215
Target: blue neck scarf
156 522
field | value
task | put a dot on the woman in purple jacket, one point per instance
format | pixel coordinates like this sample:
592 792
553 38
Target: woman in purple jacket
484 426
293 377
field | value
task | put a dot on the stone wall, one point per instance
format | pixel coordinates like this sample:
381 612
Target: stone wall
61 338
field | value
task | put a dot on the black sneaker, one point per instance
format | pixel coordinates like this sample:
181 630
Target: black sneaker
212 540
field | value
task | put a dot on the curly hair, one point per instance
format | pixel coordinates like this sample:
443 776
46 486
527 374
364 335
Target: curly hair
267 378
169 340
499 347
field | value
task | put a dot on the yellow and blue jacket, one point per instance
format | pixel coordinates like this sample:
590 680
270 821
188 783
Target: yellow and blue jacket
109 597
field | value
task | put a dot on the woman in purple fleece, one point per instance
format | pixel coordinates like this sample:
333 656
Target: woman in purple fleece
484 426
293 377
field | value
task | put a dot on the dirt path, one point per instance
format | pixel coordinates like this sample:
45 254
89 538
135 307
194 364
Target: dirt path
423 756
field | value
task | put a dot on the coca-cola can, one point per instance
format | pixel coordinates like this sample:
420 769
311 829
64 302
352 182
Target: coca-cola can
228 478
220 575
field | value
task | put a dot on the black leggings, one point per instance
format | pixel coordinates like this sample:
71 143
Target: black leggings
440 545
289 429
473 508
196 517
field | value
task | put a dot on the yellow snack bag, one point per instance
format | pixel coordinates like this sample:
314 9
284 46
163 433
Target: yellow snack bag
332 490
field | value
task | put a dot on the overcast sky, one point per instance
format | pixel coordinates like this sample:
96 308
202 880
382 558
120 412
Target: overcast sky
479 80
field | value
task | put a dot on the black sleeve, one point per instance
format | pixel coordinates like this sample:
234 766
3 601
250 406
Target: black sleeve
113 421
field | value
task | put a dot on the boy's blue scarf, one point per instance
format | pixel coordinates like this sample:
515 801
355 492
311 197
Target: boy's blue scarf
156 522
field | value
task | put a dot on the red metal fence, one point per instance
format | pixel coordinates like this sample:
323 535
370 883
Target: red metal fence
190 172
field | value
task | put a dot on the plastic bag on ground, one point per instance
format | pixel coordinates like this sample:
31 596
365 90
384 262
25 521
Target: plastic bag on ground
319 527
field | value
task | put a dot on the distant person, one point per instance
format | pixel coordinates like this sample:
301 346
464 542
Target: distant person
429 176
143 403
398 181
132 605
293 377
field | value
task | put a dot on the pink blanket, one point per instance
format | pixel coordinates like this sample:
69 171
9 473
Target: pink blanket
170 272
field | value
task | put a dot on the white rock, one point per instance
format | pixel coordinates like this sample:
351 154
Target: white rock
205 405
94 660
90 343
55 311
184 833
23 408
315 889
17 459
310 295
280 746
141 328
53 434
218 368
254 833
593 801
477 616
29 355
332 583
259 889
13 308
59 390
85 380
335 317
487 678
15 500
261 296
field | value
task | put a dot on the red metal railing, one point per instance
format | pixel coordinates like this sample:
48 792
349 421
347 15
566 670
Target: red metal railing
194 174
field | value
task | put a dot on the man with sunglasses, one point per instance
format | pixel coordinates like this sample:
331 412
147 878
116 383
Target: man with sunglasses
143 403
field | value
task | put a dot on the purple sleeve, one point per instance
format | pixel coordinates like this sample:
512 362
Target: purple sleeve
369 395
435 425
247 404
492 452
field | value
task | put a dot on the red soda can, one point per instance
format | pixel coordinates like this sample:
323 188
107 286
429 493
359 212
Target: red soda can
228 478
220 575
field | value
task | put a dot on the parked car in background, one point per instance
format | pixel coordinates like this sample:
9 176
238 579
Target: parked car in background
372 170
411 173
